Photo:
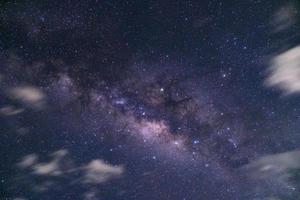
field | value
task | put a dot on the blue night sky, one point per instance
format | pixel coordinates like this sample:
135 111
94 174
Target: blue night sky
149 100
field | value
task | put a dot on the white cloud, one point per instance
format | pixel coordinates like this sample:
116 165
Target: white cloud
277 165
29 95
54 167
28 161
284 72
97 171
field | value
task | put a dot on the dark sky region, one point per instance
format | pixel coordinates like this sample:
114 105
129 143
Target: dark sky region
149 100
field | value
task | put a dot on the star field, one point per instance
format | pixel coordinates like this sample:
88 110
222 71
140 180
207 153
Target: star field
182 100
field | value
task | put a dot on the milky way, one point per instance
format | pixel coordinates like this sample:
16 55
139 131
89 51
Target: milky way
149 100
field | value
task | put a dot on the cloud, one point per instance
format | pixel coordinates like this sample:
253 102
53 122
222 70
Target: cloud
284 17
28 161
54 167
10 110
277 165
97 171
275 174
43 175
29 96
284 72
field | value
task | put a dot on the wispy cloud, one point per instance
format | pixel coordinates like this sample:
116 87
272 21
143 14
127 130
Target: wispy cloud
55 167
10 110
28 95
275 173
284 17
97 171
60 167
273 165
284 72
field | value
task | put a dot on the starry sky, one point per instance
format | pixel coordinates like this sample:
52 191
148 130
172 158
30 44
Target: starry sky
150 100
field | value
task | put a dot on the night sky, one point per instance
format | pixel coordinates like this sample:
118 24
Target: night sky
150 100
